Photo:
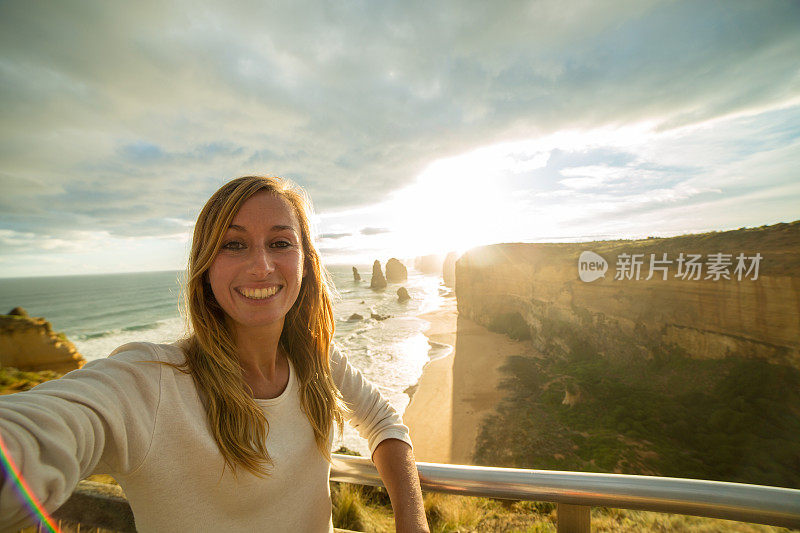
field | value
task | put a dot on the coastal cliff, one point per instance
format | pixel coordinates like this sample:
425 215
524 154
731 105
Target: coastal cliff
29 344
534 290
694 376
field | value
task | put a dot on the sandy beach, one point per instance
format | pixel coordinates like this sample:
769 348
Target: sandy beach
456 392
428 416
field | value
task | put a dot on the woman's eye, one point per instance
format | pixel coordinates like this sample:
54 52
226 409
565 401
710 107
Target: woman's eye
233 245
281 244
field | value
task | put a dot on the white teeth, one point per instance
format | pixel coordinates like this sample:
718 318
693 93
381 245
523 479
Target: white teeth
259 294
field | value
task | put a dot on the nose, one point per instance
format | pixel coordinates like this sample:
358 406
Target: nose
261 263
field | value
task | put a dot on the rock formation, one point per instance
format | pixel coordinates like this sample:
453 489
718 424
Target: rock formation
396 272
402 295
355 317
449 269
356 275
30 344
378 281
534 290
429 264
572 395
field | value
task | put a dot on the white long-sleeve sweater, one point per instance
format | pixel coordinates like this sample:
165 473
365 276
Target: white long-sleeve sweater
144 423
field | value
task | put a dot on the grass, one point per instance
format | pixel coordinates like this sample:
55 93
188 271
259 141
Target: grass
361 508
446 512
13 380
355 509
734 419
455 514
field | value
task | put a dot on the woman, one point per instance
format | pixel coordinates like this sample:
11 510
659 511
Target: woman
230 429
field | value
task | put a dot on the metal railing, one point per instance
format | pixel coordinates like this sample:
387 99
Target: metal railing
574 492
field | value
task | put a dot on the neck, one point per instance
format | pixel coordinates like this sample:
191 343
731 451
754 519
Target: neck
258 350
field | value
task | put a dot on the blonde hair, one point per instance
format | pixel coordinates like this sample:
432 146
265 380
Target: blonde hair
238 424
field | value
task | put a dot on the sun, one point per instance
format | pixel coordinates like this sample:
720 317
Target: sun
453 206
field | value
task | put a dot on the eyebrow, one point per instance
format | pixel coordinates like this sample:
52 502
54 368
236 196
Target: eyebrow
276 227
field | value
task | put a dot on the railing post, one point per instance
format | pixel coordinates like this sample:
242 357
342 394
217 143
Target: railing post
573 518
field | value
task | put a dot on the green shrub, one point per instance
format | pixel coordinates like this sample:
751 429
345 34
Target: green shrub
13 380
511 324
733 419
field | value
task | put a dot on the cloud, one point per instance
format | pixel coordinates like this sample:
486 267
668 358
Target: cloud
374 231
125 119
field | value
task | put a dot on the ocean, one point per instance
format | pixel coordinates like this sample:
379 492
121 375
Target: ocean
101 312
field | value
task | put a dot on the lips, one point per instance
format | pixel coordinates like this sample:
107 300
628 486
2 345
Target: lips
259 293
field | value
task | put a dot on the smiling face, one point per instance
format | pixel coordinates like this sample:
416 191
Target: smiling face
257 273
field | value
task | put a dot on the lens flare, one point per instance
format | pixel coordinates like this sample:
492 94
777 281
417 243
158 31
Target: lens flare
13 476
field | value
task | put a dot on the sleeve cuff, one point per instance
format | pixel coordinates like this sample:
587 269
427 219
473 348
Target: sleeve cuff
398 434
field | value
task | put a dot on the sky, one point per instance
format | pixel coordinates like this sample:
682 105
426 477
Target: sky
416 127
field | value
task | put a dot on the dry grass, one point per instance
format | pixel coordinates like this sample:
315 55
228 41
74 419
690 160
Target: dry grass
13 380
623 521
366 509
447 513
352 509
461 514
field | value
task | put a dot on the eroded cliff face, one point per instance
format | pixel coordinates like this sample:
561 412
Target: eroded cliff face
30 344
535 290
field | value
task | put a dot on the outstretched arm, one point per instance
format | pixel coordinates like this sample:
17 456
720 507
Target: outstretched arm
395 462
99 417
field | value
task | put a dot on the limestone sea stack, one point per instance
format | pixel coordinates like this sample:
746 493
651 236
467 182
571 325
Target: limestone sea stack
396 272
30 344
428 264
378 281
356 275
449 269
402 295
